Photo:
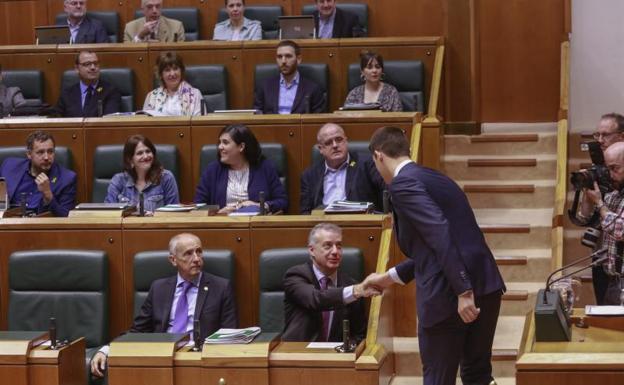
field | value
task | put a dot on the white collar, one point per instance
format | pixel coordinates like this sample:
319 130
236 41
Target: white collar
400 166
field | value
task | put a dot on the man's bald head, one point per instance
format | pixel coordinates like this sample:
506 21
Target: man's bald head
615 152
332 144
329 127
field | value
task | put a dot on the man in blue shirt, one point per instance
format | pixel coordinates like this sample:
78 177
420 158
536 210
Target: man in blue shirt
37 182
83 29
289 92
332 22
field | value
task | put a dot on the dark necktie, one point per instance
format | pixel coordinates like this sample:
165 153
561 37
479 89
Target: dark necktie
87 99
325 283
180 319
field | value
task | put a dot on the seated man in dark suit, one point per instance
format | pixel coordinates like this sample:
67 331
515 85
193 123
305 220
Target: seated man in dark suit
332 22
288 93
82 98
318 296
340 175
37 182
83 29
173 303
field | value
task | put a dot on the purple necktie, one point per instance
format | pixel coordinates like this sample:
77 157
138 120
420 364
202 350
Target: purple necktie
181 314
325 283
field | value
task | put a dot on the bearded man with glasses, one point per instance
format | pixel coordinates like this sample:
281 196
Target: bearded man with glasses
83 29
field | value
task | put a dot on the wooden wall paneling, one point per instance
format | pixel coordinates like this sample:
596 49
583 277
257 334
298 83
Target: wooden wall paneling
175 131
228 54
19 19
137 240
61 234
66 132
520 54
129 7
285 129
134 56
35 58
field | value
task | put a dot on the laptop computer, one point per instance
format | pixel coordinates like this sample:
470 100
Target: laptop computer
297 27
52 34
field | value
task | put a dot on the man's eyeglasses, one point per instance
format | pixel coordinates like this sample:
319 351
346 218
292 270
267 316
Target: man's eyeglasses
76 3
598 135
88 64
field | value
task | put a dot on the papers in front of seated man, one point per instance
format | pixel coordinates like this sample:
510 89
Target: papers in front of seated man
233 336
604 310
349 207
181 209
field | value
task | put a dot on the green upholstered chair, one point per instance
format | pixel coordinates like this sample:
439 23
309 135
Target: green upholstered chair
189 16
211 80
152 265
267 15
110 19
272 266
408 76
108 161
359 9
316 72
69 285
62 155
275 152
121 78
360 148
29 81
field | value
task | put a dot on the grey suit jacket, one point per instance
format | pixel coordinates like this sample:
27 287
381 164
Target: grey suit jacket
167 30
10 97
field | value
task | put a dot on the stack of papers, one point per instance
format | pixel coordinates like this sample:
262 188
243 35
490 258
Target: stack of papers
345 207
233 336
604 310
246 211
177 207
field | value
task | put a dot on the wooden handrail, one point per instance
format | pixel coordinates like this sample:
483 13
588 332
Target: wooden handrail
415 140
434 94
564 85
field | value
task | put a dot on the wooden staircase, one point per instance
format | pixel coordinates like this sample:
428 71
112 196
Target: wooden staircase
510 182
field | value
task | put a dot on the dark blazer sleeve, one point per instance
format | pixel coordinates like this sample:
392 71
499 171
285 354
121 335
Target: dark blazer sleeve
229 317
277 199
111 100
204 193
317 100
144 321
303 293
64 198
62 106
346 24
411 198
100 32
306 198
259 98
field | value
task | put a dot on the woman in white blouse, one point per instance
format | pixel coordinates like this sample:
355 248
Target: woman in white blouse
237 26
174 97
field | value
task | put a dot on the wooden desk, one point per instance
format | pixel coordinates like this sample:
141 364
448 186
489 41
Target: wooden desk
594 355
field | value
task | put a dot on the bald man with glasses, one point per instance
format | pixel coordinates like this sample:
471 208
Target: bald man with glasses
83 29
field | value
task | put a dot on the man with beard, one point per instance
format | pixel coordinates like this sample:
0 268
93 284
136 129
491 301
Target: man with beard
289 92
37 181
83 29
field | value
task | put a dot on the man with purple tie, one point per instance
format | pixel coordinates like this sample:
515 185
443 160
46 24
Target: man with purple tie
318 296
173 303
458 285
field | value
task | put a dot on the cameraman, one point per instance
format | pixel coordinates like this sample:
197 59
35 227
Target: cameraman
611 215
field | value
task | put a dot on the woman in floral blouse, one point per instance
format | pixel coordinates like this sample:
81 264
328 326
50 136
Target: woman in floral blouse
174 97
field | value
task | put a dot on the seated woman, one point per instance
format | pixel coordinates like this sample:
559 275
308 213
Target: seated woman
143 173
10 97
374 90
237 26
174 97
240 174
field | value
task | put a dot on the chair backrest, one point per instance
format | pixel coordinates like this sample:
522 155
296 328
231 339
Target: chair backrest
62 155
275 152
358 9
189 16
110 19
360 148
121 78
316 72
152 265
29 81
408 76
108 161
211 80
69 285
267 15
272 266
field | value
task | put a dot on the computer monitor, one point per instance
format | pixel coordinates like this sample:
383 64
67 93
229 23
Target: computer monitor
52 34
297 27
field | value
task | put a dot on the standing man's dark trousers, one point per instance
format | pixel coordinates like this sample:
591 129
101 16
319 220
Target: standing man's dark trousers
600 281
472 342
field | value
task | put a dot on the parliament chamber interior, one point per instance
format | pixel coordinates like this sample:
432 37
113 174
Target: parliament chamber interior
484 89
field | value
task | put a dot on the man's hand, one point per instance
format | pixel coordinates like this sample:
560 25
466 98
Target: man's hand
362 290
466 307
594 195
43 185
375 283
148 28
98 364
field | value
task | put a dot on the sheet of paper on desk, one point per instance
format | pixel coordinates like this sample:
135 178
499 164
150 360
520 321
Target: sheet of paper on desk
323 345
604 310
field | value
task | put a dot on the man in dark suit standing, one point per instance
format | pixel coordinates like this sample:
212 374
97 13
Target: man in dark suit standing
173 303
318 296
82 99
459 287
332 22
83 29
340 174
289 93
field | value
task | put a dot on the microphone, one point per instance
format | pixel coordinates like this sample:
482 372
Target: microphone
204 107
347 346
386 201
196 336
262 203
52 333
23 204
100 108
306 100
175 37
1 110
141 205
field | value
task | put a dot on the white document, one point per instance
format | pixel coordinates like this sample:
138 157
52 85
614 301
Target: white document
604 310
323 345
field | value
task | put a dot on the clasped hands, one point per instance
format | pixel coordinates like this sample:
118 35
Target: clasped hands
373 285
